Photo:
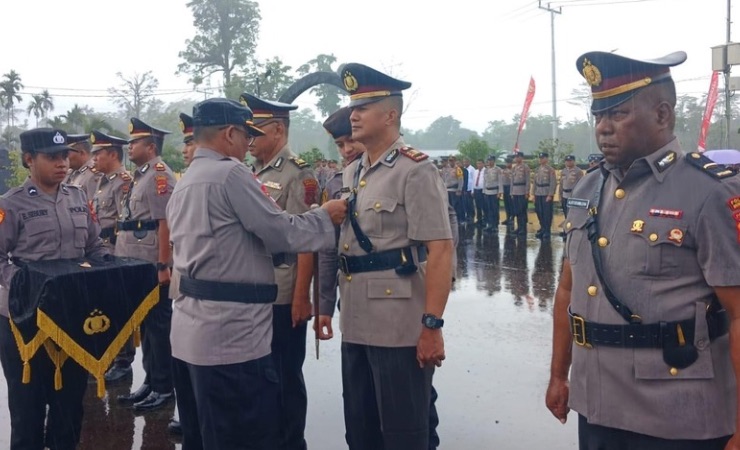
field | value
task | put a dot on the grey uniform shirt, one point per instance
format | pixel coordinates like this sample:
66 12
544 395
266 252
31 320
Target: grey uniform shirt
506 177
328 259
400 202
108 198
224 227
34 226
520 179
86 177
568 179
545 181
671 234
293 186
450 179
493 183
153 185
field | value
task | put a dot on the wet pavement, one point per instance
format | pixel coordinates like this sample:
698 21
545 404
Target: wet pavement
498 326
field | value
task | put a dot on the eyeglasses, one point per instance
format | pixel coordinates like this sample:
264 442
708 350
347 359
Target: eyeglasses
250 138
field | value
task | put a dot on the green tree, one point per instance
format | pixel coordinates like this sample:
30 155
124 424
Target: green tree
40 105
266 80
475 148
329 96
18 173
135 93
76 118
225 39
311 156
10 89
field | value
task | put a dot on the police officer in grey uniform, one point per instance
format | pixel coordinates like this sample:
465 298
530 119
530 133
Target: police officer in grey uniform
493 191
650 285
569 176
452 178
395 257
506 181
293 185
224 229
82 171
520 174
543 191
43 219
143 233
593 160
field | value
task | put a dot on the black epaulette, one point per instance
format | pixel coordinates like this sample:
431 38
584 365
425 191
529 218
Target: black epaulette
416 155
299 162
710 167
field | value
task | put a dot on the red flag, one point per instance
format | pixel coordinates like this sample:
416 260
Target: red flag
708 109
525 112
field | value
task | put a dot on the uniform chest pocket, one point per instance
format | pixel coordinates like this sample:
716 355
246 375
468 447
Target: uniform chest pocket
80 230
41 231
661 245
395 288
577 235
376 214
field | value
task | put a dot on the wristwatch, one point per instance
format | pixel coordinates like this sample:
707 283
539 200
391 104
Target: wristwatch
431 321
162 266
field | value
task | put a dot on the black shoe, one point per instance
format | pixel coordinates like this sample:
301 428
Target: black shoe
545 238
505 222
137 396
174 427
538 234
154 400
521 232
117 373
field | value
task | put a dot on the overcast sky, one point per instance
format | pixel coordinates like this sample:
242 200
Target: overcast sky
471 59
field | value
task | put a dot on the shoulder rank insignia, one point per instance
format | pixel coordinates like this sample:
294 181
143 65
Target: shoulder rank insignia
392 156
710 167
125 176
33 191
416 155
299 162
159 167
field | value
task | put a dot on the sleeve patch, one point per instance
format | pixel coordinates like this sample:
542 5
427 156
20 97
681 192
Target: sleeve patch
91 207
161 181
2 215
310 190
734 203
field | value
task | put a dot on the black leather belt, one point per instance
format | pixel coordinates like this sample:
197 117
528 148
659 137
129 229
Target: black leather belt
228 292
134 225
279 259
108 234
519 184
567 190
388 259
652 335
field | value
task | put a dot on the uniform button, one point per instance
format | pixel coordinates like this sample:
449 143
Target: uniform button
619 193
346 246
673 371
377 205
363 183
388 292
349 277
592 290
100 191
603 242
356 214
568 225
653 237
135 183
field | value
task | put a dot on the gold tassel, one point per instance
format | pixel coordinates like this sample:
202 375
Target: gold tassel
137 337
58 378
26 372
101 387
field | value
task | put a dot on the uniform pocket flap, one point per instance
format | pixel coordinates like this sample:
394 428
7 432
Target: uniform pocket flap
389 288
661 231
577 219
379 204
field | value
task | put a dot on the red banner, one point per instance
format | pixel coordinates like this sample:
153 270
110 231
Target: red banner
525 112
708 110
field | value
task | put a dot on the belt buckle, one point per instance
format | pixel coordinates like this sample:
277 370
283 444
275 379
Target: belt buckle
343 264
578 326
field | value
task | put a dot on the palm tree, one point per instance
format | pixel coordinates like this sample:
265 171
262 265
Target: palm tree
47 103
75 118
9 92
35 107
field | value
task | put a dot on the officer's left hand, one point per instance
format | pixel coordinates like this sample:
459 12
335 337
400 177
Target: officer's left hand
164 277
300 310
548 199
431 348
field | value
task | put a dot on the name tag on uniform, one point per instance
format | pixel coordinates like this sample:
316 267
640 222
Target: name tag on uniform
578 203
273 185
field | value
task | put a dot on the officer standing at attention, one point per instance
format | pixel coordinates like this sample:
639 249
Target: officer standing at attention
569 176
543 190
506 181
519 188
43 219
493 192
649 286
82 171
143 233
395 255
293 185
224 228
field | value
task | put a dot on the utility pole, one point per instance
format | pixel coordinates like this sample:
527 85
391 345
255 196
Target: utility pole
728 67
554 84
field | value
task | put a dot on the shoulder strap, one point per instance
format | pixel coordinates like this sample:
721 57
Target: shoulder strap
362 238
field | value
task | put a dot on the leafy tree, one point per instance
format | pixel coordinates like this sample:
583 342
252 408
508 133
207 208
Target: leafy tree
135 93
18 173
225 39
311 156
444 133
266 80
306 133
329 95
476 148
10 89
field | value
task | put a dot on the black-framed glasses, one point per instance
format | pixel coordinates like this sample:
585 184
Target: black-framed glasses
245 130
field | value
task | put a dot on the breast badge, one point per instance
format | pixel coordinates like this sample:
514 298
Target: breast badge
637 226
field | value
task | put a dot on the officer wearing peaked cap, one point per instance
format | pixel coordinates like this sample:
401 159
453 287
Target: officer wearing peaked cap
143 233
645 300
395 257
543 191
569 176
186 126
82 171
43 219
293 185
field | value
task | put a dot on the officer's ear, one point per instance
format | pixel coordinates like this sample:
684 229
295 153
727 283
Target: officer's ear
665 114
26 159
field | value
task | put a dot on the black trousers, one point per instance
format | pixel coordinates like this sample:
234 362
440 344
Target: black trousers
233 406
519 210
454 200
127 354
507 203
155 344
597 437
27 402
433 421
564 205
492 210
469 207
386 398
289 352
480 206
544 213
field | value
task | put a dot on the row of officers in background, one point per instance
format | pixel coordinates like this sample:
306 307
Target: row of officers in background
475 192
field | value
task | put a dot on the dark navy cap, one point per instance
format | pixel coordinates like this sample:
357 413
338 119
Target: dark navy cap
517 154
75 138
544 155
491 158
595 157
614 79
100 140
570 158
44 140
137 129
367 85
186 126
338 123
222 111
266 109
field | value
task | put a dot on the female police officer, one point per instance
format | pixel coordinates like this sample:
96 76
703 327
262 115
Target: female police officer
43 219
